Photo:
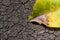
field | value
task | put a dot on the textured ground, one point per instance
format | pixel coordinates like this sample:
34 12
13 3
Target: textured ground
14 26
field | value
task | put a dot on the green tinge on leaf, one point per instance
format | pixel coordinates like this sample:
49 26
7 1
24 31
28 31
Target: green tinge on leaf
44 6
30 17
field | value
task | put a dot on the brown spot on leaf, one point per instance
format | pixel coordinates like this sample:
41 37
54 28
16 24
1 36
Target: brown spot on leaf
43 19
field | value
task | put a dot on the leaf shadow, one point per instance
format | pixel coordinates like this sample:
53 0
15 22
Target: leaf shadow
49 28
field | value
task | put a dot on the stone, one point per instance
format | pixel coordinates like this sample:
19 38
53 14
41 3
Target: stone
6 2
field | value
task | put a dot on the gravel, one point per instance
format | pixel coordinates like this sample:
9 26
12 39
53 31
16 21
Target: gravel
14 22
